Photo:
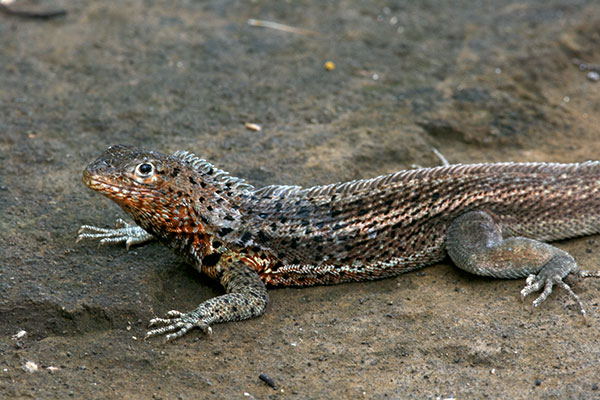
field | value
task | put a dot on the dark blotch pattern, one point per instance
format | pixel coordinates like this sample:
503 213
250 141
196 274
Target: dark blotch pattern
211 260
224 231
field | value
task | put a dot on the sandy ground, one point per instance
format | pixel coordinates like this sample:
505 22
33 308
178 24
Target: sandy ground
480 81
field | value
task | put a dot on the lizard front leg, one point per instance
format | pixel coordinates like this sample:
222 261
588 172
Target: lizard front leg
122 233
475 244
246 297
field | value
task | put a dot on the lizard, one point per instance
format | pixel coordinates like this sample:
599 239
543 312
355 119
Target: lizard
492 219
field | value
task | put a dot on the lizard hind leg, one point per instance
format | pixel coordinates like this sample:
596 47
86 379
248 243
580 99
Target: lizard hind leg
475 244
246 297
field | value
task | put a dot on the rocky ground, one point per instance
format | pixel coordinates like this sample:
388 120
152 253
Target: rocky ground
479 81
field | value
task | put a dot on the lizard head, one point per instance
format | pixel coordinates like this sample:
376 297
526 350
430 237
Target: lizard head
165 193
146 184
125 173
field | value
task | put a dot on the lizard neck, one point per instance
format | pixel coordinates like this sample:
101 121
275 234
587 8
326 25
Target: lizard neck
190 212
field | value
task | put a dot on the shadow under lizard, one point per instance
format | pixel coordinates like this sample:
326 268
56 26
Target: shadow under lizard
491 219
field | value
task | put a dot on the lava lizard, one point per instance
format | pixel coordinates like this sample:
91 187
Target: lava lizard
492 219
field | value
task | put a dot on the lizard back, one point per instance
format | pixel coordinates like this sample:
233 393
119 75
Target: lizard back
384 226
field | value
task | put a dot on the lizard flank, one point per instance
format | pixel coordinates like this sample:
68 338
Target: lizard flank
491 219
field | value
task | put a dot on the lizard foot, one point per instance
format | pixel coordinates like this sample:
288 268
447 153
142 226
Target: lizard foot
553 274
178 323
247 297
122 233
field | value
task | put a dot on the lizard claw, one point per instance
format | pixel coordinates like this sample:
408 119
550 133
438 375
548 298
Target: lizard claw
535 283
122 233
178 323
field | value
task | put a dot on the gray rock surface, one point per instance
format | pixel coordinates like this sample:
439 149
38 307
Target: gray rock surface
479 81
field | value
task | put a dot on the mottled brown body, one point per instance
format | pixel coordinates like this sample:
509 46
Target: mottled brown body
395 223
359 230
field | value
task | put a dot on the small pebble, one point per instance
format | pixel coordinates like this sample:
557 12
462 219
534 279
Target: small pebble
267 379
593 76
19 334
30 366
253 127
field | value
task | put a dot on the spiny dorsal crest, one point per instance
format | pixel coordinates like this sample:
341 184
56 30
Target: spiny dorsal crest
380 182
277 191
218 175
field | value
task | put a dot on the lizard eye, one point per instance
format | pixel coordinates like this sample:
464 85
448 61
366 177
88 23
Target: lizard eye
144 170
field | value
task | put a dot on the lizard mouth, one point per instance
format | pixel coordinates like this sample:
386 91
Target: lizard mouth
99 185
96 183
120 193
108 189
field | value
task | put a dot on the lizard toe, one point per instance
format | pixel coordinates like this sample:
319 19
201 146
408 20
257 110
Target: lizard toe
532 284
174 314
177 324
548 283
171 317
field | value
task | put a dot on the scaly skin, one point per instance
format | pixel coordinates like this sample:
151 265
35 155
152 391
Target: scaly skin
490 218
